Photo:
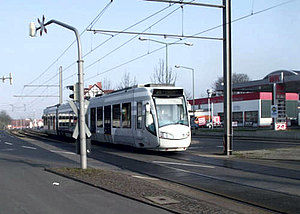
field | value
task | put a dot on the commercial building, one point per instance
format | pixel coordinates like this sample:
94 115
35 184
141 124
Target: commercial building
273 99
249 109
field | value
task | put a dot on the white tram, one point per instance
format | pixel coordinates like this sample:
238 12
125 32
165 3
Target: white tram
149 116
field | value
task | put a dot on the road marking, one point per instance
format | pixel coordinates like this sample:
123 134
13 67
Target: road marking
219 146
195 173
7 143
69 153
184 164
200 147
29 147
3 150
146 178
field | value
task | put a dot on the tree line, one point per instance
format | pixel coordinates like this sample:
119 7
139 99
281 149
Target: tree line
5 120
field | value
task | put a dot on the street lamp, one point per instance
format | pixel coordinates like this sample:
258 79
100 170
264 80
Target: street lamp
209 94
167 45
32 31
193 82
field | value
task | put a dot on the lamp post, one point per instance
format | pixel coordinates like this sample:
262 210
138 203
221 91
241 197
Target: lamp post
33 29
209 93
167 45
193 82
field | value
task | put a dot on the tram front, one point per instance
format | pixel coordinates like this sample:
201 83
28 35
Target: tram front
173 121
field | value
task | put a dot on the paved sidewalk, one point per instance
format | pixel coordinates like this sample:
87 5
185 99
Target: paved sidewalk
168 196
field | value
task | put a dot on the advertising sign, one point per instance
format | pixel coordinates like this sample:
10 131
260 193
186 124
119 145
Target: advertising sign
201 121
274 111
276 78
280 126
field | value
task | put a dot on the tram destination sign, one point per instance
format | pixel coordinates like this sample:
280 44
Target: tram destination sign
167 92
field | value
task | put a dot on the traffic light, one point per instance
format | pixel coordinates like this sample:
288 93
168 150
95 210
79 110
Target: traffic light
75 89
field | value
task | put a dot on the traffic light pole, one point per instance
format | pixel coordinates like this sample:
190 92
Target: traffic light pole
82 137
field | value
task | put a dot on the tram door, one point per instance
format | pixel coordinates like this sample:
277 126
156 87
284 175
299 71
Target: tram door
107 120
139 131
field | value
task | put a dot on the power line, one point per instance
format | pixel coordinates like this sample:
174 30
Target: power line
87 67
125 63
131 26
96 19
92 23
210 29
156 34
139 57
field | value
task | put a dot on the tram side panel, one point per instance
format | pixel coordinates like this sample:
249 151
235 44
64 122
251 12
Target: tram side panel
144 132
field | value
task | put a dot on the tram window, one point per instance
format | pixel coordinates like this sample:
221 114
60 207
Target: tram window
100 117
75 120
86 119
149 123
116 116
93 120
126 115
53 123
139 115
71 121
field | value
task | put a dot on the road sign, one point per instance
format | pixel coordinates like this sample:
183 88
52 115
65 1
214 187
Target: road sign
274 111
75 110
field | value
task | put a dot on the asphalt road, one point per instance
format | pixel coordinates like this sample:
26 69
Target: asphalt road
273 185
27 188
214 145
270 184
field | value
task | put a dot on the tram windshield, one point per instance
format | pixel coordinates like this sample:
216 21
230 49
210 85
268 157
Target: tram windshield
171 111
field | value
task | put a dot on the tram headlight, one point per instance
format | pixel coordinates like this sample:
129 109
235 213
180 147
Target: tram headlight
188 134
166 135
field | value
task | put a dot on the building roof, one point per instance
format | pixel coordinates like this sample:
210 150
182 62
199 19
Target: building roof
289 78
244 97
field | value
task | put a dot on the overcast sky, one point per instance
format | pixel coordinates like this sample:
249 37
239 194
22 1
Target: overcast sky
261 43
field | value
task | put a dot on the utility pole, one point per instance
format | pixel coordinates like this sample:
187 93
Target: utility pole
227 68
227 77
60 86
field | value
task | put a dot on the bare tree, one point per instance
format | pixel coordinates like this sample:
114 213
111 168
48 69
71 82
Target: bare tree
5 120
236 78
188 94
106 84
161 76
126 81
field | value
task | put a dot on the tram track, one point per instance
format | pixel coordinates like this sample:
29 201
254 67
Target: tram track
241 166
209 184
268 200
